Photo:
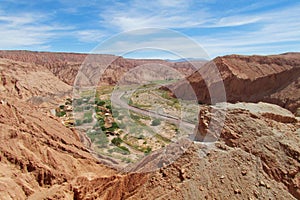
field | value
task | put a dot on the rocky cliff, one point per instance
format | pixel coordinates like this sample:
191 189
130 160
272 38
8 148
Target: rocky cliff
273 79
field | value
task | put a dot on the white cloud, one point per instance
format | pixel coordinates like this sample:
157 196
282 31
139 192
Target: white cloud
231 21
267 28
26 30
159 13
158 41
89 35
168 14
273 32
172 3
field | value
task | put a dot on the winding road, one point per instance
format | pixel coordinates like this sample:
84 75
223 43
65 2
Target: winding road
116 100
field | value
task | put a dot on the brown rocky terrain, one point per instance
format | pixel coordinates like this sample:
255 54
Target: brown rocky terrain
256 157
66 65
26 80
273 79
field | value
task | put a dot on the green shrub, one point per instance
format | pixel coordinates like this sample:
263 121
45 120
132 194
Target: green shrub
147 150
140 137
124 148
130 102
111 129
78 122
60 113
97 109
155 122
101 121
114 125
117 141
108 107
100 103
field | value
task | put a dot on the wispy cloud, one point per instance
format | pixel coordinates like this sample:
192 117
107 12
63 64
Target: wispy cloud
247 30
221 27
230 21
26 30
89 35
159 13
169 14
273 28
157 41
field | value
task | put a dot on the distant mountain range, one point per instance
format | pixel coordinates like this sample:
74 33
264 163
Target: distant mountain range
185 59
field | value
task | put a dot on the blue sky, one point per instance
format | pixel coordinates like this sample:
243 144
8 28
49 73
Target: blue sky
220 27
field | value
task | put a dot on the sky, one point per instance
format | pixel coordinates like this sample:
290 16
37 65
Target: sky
218 27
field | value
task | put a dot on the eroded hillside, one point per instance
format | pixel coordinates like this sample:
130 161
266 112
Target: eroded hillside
273 79
66 65
256 156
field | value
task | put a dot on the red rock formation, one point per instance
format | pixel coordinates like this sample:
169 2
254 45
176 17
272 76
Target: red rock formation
273 79
25 80
256 157
66 65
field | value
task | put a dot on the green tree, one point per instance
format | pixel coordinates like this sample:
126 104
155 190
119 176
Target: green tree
103 128
108 107
114 125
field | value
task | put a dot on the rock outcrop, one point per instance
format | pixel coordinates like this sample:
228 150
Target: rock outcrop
256 157
31 83
274 79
